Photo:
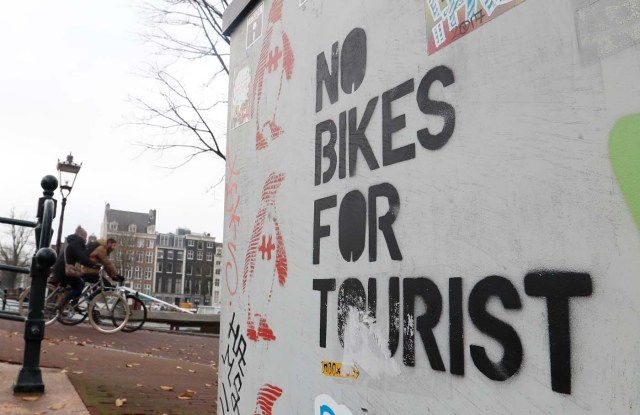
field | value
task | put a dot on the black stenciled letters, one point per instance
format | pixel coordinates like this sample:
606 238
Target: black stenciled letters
329 79
353 60
324 286
326 151
391 125
442 109
384 222
358 139
320 231
352 225
351 294
394 314
424 324
456 332
495 286
557 287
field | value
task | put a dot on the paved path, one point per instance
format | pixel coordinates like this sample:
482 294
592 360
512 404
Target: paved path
140 367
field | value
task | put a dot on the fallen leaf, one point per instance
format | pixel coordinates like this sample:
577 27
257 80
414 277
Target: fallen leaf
120 402
57 406
39 413
179 367
129 365
140 385
64 371
166 388
71 354
208 385
78 372
192 371
30 398
73 358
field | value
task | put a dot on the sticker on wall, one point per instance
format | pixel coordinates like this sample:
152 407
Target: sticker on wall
265 264
240 111
338 370
254 25
275 68
325 405
449 20
624 152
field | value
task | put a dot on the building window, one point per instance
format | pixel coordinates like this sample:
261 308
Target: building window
179 242
176 285
113 226
169 268
189 269
218 251
151 229
140 256
160 254
218 271
180 254
132 228
164 240
140 243
147 273
130 256
199 270
218 263
132 242
147 289
200 245
210 244
159 267
199 256
136 272
190 242
136 286
150 243
216 282
209 256
189 254
127 273
216 297
169 254
149 257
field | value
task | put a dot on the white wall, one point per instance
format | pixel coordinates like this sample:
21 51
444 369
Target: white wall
513 231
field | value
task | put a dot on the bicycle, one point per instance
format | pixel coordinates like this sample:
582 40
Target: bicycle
50 313
77 310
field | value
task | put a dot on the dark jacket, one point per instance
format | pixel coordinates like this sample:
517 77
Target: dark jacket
75 252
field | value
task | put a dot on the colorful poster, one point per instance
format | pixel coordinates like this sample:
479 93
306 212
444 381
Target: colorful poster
240 110
449 20
254 25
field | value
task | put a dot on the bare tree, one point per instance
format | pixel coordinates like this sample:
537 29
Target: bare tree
16 248
186 33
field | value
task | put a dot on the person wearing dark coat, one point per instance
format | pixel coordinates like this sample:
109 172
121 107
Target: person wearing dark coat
75 251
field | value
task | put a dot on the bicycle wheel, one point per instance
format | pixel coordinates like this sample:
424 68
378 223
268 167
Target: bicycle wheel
74 312
49 311
108 312
138 314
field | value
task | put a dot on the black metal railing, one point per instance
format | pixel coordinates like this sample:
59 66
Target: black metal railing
29 378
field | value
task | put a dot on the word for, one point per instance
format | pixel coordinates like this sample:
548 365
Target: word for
557 287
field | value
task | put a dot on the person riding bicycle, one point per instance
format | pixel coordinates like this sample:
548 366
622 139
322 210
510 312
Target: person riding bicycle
99 252
74 252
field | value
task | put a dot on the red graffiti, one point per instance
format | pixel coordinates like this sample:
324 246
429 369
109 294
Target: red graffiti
261 269
231 190
267 396
270 77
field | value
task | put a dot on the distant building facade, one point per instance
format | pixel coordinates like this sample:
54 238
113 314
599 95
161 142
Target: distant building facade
135 257
217 275
169 272
199 268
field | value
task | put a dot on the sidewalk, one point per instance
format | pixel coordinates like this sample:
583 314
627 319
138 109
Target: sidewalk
157 373
59 397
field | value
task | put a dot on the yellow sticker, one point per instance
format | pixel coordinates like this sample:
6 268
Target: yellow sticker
338 370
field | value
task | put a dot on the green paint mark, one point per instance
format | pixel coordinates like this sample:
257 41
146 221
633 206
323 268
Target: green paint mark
624 151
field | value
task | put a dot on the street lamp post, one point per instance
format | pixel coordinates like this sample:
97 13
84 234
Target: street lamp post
67 170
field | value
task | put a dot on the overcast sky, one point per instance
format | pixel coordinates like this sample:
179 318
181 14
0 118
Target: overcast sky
67 70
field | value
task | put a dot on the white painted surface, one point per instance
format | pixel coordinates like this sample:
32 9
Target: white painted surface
524 184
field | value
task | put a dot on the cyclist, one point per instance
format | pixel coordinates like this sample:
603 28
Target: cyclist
74 252
99 252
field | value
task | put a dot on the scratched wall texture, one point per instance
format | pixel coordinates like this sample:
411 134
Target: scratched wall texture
454 232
